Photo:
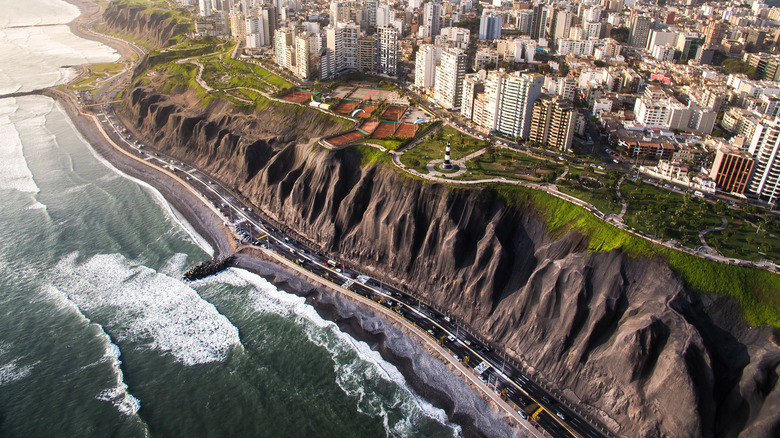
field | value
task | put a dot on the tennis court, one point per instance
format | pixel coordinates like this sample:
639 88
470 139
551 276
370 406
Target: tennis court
384 130
406 130
368 109
372 94
341 92
298 96
345 107
394 113
346 138
368 127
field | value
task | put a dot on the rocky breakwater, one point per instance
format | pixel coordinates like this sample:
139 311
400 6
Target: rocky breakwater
620 334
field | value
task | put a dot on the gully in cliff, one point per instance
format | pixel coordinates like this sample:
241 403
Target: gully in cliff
209 267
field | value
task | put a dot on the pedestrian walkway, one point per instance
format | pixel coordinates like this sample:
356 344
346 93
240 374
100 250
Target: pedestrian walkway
433 165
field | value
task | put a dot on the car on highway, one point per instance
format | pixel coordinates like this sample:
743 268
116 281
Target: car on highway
560 415
523 415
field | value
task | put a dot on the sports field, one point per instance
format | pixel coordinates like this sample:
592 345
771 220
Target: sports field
394 113
298 96
384 130
345 107
406 130
369 127
346 138
368 109
373 94
341 92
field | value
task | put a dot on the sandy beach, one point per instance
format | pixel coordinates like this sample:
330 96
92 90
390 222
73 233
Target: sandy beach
425 371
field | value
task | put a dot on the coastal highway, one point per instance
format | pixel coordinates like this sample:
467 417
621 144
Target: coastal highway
552 414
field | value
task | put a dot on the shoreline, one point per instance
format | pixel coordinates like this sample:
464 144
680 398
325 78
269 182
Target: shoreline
349 315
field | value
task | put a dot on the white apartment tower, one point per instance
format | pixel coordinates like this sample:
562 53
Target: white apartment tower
385 16
518 93
205 8
449 78
343 41
387 50
339 12
425 65
283 41
371 9
301 67
432 18
765 149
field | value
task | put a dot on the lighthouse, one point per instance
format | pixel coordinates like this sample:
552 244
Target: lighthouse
447 165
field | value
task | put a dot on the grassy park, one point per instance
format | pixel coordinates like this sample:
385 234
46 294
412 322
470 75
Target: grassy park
509 164
432 148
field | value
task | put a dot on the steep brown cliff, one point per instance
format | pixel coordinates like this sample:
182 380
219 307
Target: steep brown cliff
153 26
621 334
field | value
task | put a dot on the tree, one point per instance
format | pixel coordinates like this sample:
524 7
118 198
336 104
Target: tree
735 66
563 69
619 34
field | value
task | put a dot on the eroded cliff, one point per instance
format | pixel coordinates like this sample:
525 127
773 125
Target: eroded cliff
621 334
156 27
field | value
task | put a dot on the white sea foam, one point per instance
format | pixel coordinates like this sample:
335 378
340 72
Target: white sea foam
36 206
11 372
172 214
352 375
148 308
46 50
118 395
175 265
37 12
10 369
14 172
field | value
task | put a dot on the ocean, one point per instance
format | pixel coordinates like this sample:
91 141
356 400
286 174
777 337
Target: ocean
99 335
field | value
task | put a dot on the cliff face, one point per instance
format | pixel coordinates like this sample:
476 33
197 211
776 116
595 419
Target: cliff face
622 335
156 27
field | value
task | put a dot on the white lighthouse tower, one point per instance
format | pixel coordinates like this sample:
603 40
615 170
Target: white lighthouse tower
447 165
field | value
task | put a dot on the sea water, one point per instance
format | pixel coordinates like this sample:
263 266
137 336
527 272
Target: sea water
99 336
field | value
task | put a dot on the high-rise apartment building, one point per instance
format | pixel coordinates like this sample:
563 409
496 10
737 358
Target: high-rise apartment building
366 53
518 93
387 50
301 66
449 78
552 122
268 13
765 149
490 26
539 21
385 16
371 10
523 21
343 40
714 33
204 6
432 18
238 25
472 85
340 12
425 65
561 25
639 30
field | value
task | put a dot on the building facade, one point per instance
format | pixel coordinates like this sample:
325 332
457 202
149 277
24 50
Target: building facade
449 78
